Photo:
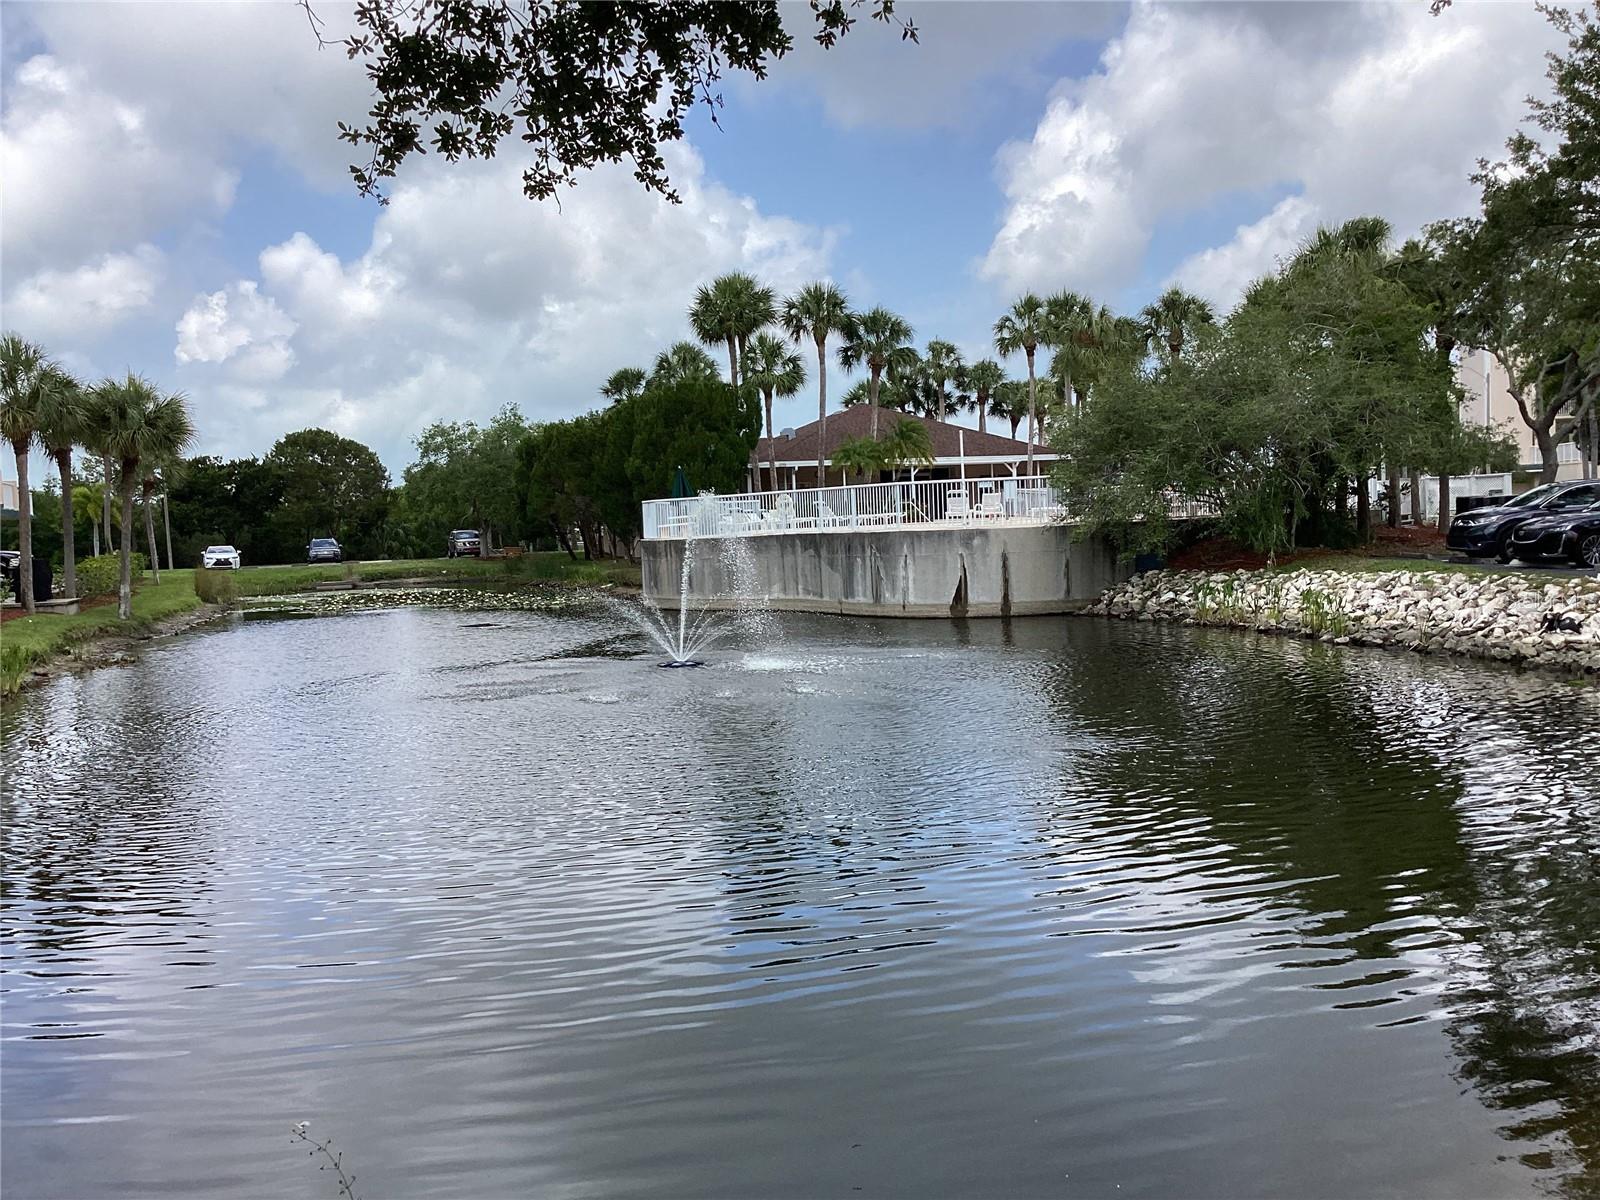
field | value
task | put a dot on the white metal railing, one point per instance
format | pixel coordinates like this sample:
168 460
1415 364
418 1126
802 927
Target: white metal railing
1024 500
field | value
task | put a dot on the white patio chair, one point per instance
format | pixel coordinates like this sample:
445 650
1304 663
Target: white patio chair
990 507
956 505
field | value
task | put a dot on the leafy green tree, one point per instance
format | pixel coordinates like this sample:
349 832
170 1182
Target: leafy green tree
984 376
701 425
943 363
681 360
333 486
817 311
24 391
233 501
1024 328
875 339
137 425
1176 317
1323 372
578 84
623 384
1528 265
464 476
774 370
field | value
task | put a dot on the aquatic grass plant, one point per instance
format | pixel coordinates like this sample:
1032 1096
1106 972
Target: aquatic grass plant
216 587
331 1161
1321 613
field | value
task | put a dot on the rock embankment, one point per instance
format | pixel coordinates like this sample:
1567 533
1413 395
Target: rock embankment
1513 617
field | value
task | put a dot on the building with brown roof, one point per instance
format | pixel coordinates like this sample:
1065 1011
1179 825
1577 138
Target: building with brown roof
957 451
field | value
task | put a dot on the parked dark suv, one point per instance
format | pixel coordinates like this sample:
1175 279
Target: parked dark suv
461 542
324 550
1487 532
1571 535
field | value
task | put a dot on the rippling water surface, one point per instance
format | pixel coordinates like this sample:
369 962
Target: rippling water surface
1046 908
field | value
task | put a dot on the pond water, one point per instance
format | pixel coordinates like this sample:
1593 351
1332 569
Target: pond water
1038 908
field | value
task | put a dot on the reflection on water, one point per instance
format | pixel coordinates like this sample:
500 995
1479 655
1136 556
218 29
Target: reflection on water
1045 907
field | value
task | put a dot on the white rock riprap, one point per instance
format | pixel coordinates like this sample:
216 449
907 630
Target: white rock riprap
1513 617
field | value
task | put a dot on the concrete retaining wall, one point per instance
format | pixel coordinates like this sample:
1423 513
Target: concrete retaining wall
970 571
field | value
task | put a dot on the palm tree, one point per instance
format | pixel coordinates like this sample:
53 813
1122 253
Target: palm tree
943 363
24 384
1023 328
624 384
730 309
817 311
1175 317
1010 403
64 415
859 457
876 339
775 370
680 361
906 442
984 376
86 502
137 426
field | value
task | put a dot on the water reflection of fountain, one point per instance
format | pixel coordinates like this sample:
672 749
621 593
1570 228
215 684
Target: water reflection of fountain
737 606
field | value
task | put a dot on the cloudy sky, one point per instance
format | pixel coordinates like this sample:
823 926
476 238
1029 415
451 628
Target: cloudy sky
176 202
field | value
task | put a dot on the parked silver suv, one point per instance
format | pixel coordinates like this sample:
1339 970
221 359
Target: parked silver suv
461 542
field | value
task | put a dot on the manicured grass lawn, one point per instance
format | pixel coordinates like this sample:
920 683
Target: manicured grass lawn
553 566
27 641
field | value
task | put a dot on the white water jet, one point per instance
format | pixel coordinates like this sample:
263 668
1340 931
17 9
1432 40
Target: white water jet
700 624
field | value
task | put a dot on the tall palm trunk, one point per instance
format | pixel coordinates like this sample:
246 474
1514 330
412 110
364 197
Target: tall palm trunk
125 573
872 401
106 489
733 362
1033 406
822 408
94 535
69 535
772 445
166 521
983 409
150 534
24 527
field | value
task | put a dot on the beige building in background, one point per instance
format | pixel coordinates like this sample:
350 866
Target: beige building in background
1489 402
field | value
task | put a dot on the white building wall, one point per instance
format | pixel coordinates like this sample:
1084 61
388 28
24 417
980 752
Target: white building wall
1489 402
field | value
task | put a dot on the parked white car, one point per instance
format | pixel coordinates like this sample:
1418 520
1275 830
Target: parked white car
225 557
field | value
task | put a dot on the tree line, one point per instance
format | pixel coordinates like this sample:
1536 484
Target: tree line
1338 367
134 430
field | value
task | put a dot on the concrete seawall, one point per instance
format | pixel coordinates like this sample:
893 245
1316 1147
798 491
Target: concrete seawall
968 571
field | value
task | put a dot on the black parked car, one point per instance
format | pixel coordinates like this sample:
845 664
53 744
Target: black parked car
324 550
1487 532
1571 535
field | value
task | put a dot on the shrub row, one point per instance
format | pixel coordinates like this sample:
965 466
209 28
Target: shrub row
98 576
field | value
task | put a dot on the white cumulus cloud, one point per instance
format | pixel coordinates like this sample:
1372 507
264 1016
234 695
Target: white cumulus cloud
87 300
1353 109
240 327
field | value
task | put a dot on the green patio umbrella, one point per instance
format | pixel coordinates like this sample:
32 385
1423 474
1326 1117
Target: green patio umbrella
680 485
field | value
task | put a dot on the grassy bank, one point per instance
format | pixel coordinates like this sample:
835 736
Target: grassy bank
554 567
28 642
